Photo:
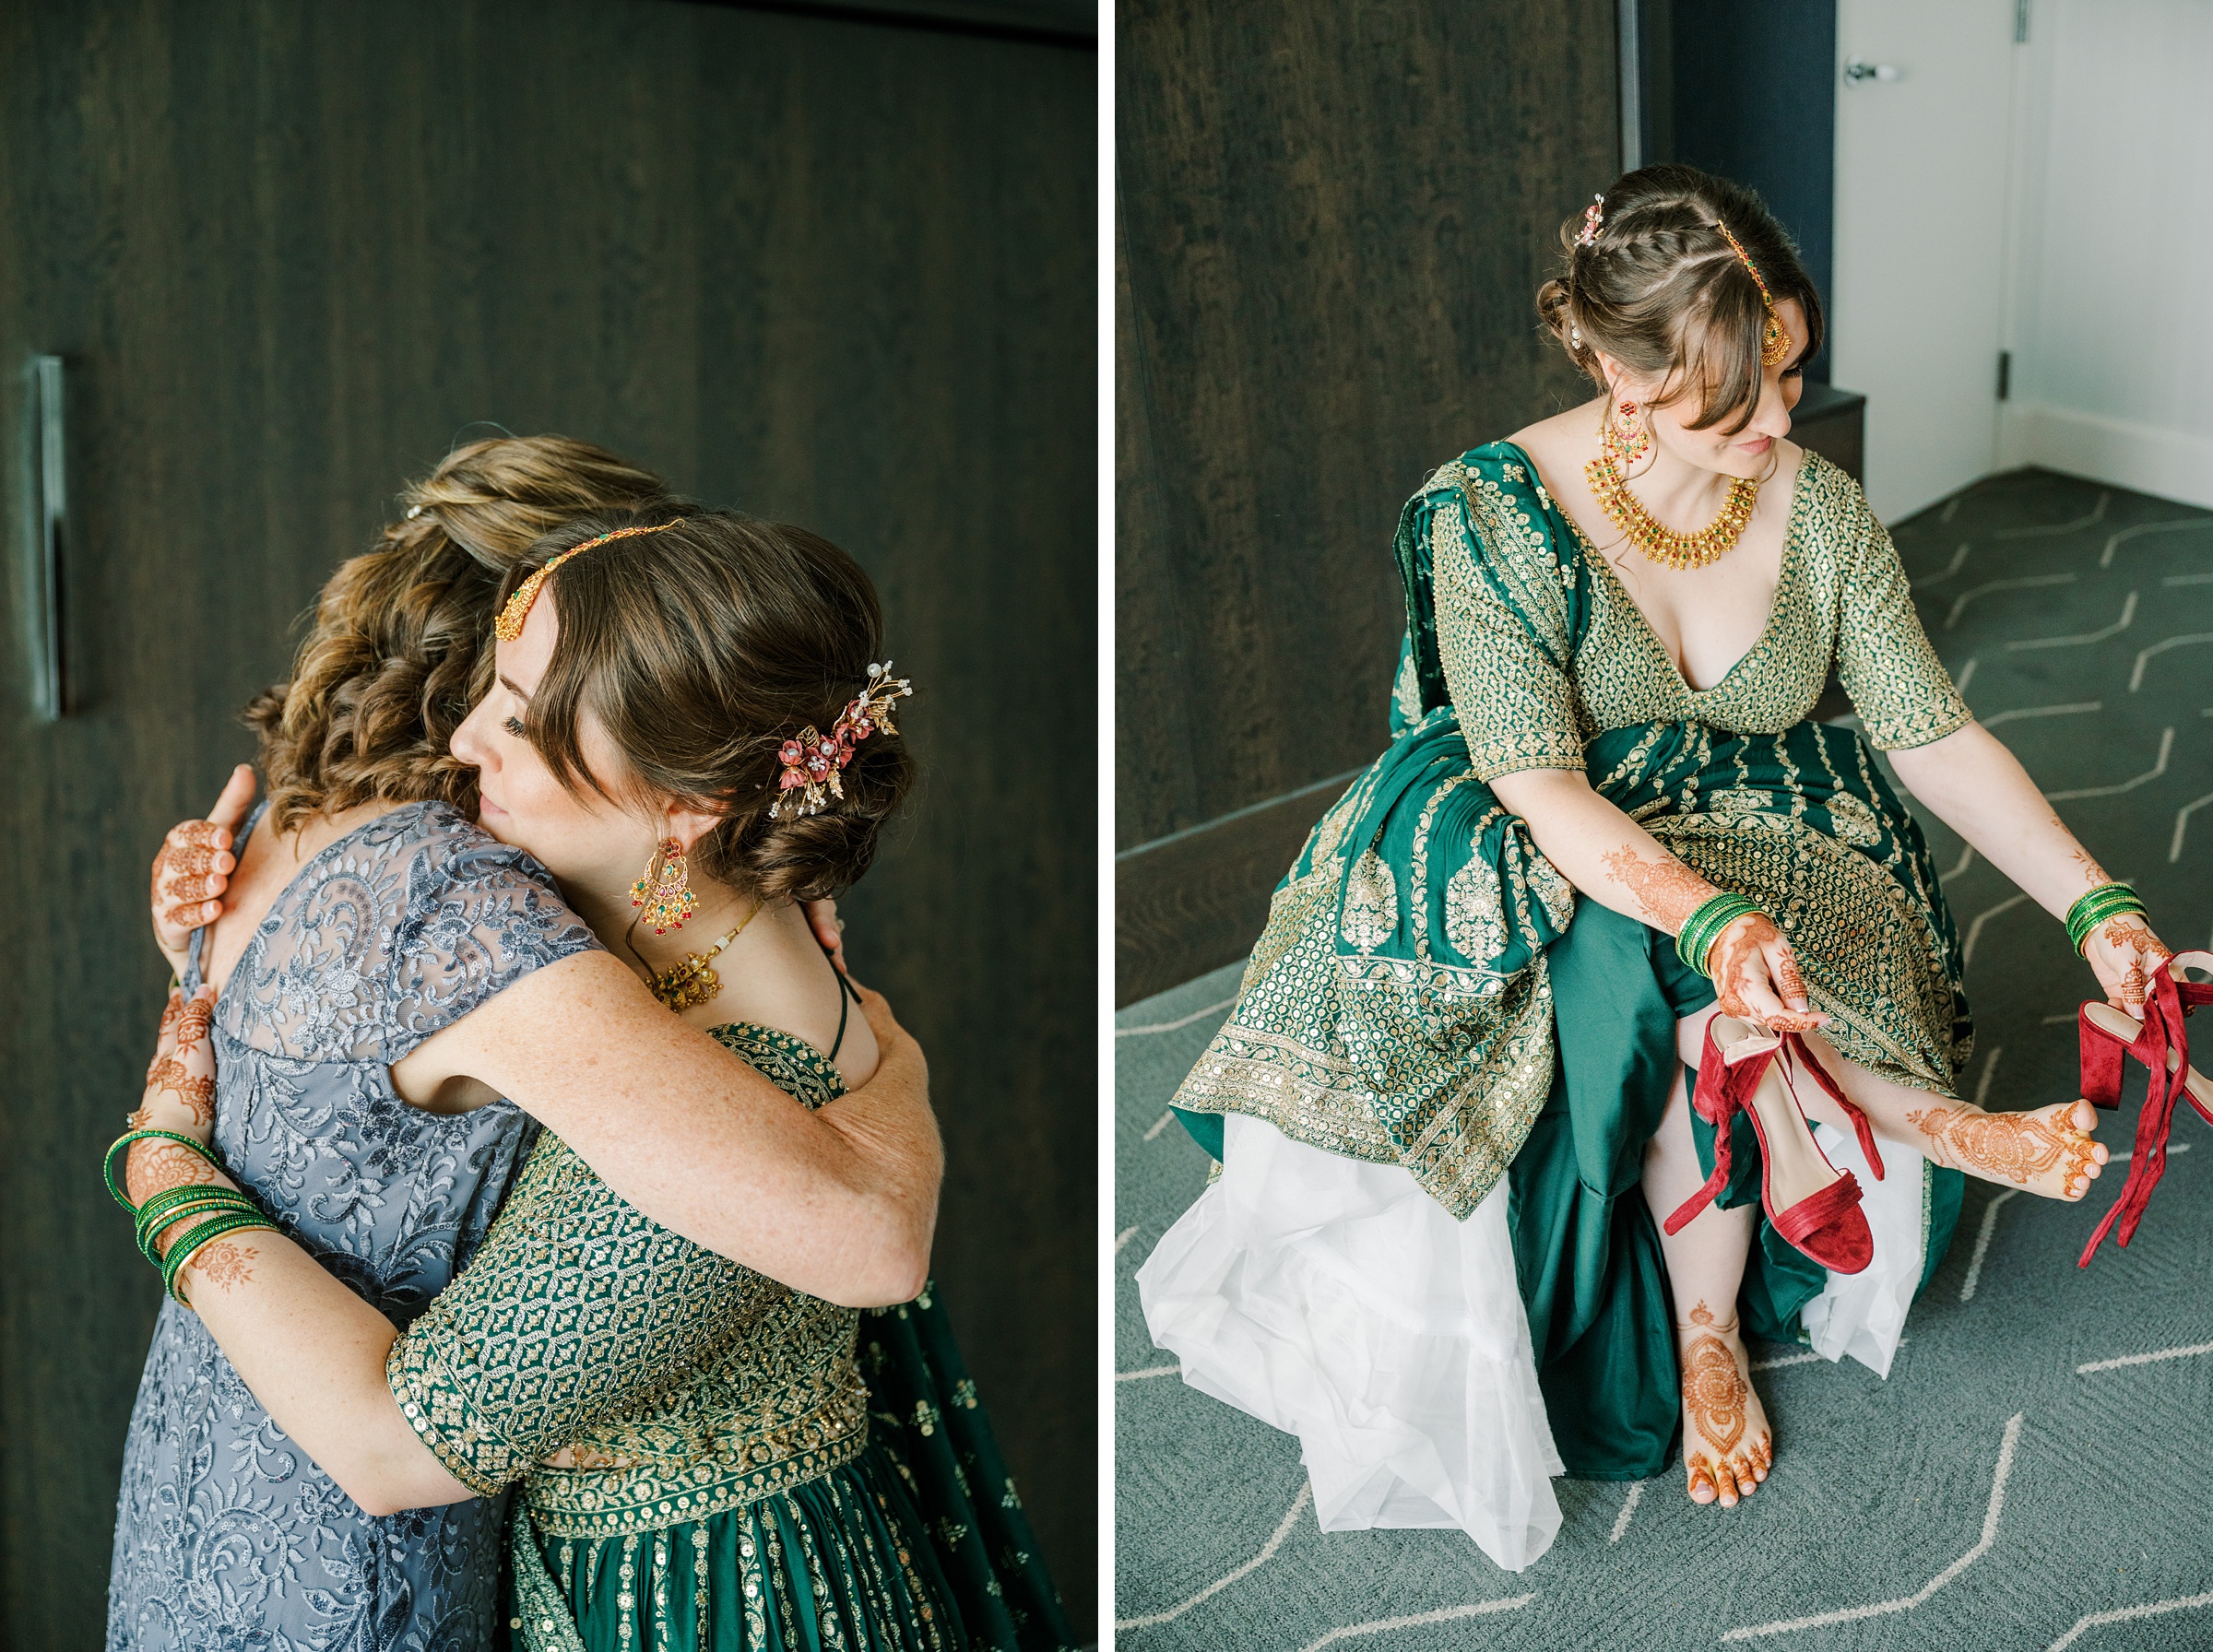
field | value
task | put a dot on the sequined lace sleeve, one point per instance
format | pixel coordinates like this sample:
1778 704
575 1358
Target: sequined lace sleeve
1885 661
1502 634
578 1307
578 1310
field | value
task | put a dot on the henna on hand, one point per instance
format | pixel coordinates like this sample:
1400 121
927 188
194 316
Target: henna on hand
156 1166
171 1077
1665 890
194 1020
1735 949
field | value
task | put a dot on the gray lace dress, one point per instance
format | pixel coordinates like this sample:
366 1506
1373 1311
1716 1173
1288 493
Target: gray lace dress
226 1534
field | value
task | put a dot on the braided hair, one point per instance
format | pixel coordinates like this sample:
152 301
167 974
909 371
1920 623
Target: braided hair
400 648
1659 290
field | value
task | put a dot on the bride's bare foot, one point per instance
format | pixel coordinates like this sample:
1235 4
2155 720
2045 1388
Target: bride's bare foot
1727 1448
2049 1152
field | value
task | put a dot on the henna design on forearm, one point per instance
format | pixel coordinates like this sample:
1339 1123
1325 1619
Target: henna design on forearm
2092 873
1666 891
224 1264
1714 1392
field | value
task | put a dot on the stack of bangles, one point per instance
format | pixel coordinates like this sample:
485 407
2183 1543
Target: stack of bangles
1704 927
212 1212
2107 901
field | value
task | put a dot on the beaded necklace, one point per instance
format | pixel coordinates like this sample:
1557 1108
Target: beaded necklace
692 980
1663 544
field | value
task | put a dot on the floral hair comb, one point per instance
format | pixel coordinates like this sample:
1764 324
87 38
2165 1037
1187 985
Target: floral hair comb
812 760
1594 219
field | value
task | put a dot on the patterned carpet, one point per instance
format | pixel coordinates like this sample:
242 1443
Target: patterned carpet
2035 1473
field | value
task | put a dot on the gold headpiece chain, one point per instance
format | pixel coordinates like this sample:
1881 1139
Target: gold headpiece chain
1774 342
509 626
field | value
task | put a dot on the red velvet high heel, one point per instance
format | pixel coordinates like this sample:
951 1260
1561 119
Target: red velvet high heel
1827 1225
2162 1042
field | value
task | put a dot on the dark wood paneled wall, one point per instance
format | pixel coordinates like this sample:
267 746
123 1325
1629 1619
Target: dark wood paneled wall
1332 222
824 270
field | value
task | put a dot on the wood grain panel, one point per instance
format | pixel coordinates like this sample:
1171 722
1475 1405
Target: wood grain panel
1196 901
1331 223
820 269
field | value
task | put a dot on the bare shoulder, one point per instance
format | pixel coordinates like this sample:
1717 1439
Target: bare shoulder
1559 446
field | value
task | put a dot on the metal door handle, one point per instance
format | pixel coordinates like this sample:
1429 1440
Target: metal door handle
1858 69
47 539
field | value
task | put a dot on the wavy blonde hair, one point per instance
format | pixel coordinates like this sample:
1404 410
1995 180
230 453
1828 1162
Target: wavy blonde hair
400 648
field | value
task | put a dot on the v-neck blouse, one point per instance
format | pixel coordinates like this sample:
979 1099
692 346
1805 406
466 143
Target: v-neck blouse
1842 598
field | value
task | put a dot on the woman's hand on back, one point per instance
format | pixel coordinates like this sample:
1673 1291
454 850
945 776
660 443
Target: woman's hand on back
194 868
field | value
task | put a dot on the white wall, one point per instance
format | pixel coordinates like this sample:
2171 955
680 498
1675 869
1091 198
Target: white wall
2109 312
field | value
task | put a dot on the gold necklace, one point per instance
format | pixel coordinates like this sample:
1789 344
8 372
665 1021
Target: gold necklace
1655 538
692 980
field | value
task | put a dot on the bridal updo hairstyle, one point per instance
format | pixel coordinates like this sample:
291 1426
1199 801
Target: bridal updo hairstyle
1662 291
401 646
700 650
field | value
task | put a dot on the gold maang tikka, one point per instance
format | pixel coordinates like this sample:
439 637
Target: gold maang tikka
509 625
1774 340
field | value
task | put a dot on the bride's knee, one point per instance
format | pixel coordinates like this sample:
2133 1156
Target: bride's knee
1691 1035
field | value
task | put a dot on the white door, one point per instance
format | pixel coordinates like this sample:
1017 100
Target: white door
1922 140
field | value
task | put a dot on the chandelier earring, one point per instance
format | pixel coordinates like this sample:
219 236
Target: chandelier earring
663 897
1625 436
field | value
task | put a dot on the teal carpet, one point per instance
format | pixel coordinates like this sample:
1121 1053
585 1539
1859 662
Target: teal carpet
2037 1469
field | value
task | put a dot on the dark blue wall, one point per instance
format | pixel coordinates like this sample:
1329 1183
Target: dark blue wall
1747 88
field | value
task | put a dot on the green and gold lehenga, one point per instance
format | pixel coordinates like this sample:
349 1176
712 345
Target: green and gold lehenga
1430 995
742 1468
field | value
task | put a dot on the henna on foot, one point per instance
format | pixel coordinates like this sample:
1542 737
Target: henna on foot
2049 1152
1727 1445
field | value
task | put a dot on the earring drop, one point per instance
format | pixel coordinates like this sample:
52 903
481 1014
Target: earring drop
662 896
1628 443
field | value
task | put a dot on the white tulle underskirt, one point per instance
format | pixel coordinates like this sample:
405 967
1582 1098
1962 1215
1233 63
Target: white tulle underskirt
1334 1299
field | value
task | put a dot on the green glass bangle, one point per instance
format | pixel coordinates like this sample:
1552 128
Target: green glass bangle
158 1206
166 1208
2093 908
1704 927
181 1252
122 1144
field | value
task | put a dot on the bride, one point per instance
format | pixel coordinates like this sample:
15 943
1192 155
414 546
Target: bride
1476 1225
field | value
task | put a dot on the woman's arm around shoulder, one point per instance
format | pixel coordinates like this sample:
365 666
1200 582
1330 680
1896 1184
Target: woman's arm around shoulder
839 1203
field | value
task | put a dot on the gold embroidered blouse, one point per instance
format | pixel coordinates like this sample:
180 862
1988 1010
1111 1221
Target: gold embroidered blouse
1842 597
682 1383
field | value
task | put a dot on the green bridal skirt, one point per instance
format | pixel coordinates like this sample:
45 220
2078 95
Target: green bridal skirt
919 1544
1587 1255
